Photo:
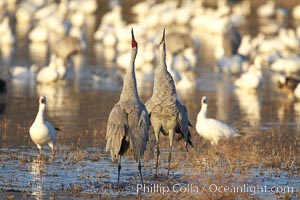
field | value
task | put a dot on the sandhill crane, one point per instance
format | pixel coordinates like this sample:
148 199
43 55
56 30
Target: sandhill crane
41 131
231 39
68 46
184 41
128 122
212 129
228 59
167 115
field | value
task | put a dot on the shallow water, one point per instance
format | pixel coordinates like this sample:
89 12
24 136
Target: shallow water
263 163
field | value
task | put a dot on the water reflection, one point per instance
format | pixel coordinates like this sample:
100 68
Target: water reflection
285 111
54 93
22 30
38 53
58 100
90 26
6 54
249 104
223 99
77 65
37 171
22 87
297 111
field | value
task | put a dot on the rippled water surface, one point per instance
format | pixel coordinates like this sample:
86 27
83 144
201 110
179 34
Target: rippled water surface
263 163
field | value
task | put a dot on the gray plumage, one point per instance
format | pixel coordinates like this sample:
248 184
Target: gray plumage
231 39
128 122
167 115
177 42
67 47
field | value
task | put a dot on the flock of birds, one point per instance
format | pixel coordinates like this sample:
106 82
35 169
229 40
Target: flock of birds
61 25
129 120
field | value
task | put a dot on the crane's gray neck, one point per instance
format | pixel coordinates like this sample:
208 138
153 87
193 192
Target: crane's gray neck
163 65
163 79
129 86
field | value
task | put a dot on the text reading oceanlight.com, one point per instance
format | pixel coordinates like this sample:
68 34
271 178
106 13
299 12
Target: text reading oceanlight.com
213 188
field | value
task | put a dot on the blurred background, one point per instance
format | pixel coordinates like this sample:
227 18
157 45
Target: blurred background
243 54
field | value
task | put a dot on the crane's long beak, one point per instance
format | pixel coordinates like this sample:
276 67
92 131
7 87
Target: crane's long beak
163 38
133 42
132 35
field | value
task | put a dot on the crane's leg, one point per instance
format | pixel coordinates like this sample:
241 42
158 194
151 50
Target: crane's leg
157 159
171 137
157 151
119 168
140 170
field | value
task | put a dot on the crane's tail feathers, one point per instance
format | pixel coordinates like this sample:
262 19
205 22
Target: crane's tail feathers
138 145
179 137
190 124
115 138
58 129
189 142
